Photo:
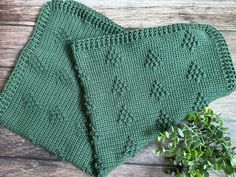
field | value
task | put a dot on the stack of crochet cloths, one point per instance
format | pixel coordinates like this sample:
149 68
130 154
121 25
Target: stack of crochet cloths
95 94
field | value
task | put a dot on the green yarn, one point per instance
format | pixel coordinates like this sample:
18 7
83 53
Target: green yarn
143 81
95 94
42 99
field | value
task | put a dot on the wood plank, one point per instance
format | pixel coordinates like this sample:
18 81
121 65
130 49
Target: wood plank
14 145
145 171
10 167
136 13
153 16
133 3
29 167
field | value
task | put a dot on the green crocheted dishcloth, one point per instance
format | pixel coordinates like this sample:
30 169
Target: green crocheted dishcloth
99 107
140 82
42 99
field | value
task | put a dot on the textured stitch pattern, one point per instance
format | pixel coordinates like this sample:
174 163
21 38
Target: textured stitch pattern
36 63
195 73
164 121
125 117
55 114
189 41
119 86
61 36
200 102
113 57
45 85
29 102
161 90
63 76
130 147
152 60
158 91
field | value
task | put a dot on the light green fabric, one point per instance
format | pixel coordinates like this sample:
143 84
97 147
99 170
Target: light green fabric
143 81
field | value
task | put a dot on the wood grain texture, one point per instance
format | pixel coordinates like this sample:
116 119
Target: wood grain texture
30 167
135 13
19 157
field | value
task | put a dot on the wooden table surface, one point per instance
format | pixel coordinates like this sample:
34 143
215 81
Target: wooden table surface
20 158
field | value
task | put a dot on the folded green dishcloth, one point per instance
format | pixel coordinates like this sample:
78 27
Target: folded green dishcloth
143 81
42 99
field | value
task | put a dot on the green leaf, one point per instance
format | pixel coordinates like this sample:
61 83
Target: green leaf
188 156
209 133
158 138
174 135
229 170
196 144
208 151
156 152
199 144
210 112
163 138
167 134
206 174
221 122
200 153
191 117
177 140
194 153
180 132
233 162
170 145
172 129
219 134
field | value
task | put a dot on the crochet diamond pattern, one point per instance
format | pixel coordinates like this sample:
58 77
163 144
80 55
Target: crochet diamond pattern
164 121
130 147
152 60
36 63
55 115
195 73
29 102
146 91
113 57
61 36
200 102
119 86
158 91
125 116
63 76
189 40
